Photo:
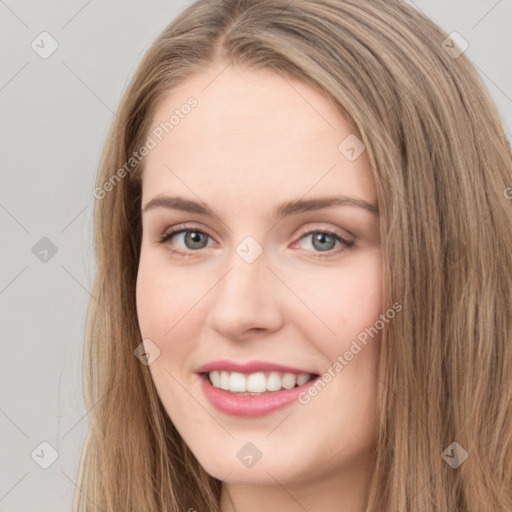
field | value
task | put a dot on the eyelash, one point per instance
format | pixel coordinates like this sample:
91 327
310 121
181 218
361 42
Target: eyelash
169 234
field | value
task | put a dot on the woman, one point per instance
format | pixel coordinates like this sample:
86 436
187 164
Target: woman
304 286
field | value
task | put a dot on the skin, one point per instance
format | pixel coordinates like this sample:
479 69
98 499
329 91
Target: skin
254 141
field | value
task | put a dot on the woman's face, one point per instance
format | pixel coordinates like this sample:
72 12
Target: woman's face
258 293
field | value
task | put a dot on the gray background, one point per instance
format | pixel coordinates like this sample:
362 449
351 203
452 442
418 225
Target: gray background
55 116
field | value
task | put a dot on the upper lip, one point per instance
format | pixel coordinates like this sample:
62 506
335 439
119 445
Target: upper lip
250 367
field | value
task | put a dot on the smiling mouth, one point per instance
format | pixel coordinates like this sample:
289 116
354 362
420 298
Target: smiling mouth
257 383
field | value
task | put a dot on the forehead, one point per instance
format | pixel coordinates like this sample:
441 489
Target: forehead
250 130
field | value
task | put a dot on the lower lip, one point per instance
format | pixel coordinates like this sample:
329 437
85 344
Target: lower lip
247 405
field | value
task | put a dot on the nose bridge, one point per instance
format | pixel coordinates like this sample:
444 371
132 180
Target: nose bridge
246 296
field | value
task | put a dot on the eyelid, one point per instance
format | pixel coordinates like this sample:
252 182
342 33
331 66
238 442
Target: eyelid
169 232
321 227
305 230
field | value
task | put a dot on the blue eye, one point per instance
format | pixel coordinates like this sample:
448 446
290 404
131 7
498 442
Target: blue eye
325 241
322 241
193 239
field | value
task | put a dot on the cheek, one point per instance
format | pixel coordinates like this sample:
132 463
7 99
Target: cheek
150 302
344 301
163 297
165 317
341 301
171 314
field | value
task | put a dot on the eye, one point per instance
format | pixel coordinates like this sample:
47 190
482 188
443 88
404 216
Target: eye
324 241
193 239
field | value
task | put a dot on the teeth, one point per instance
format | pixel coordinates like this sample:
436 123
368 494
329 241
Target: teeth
289 380
274 382
302 379
224 380
237 382
258 382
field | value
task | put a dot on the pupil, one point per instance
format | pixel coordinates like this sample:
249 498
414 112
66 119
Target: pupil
320 237
194 238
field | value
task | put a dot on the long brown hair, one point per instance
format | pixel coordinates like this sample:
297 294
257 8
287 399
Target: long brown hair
442 165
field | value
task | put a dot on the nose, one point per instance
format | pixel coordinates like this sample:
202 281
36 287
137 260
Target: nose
246 299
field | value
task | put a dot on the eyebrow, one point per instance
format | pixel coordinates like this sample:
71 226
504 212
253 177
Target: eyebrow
283 210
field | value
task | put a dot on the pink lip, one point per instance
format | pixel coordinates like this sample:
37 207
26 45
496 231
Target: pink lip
250 406
250 367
